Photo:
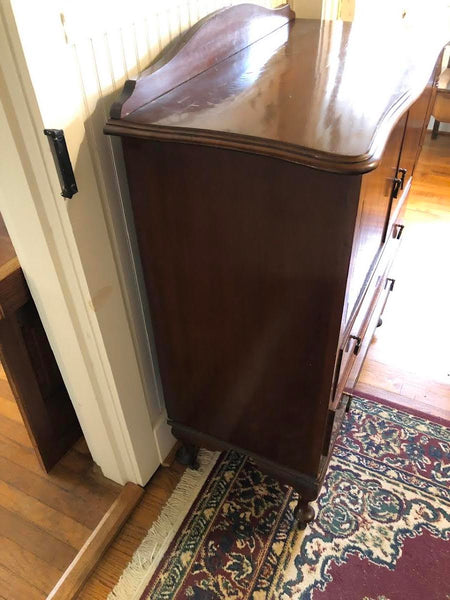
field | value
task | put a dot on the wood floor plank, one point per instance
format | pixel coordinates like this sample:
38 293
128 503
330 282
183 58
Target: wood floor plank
15 432
5 391
19 454
35 540
14 587
64 528
27 565
95 489
10 410
44 490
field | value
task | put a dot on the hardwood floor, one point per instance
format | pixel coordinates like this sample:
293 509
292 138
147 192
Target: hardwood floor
409 358
119 554
44 518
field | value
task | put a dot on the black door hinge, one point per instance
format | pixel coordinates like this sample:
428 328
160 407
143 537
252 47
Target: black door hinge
63 165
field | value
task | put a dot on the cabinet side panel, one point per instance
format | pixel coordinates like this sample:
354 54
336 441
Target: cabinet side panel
245 260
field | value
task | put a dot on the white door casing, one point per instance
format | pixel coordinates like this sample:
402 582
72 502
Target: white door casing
65 248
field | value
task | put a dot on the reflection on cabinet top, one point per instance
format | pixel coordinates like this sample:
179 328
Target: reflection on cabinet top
320 93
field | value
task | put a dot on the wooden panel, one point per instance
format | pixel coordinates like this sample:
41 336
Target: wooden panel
375 202
13 289
211 41
368 331
31 368
418 118
246 284
37 384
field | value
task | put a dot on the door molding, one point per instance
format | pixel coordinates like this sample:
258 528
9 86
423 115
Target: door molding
66 253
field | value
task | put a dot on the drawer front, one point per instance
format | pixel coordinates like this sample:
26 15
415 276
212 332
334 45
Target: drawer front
354 342
373 222
354 350
350 346
370 329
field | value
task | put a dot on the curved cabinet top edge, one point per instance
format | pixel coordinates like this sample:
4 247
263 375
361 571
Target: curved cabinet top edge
211 53
210 41
308 157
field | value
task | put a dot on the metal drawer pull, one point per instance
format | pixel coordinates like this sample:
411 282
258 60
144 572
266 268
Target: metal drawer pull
397 187
399 182
392 283
357 347
398 231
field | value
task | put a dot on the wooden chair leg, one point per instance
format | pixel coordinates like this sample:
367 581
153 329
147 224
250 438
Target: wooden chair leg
435 131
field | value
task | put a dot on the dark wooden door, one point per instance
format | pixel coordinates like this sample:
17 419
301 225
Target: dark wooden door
30 365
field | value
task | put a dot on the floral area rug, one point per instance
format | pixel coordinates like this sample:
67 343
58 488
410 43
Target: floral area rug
382 527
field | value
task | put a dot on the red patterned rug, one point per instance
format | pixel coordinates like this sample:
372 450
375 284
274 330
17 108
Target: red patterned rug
382 529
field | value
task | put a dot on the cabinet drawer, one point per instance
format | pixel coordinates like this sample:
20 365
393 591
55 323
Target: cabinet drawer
370 328
356 341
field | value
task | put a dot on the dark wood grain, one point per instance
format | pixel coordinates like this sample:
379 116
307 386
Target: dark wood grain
30 365
210 41
13 288
266 278
373 218
323 94
37 385
246 272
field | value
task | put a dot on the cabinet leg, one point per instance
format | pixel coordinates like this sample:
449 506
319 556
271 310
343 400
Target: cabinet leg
348 405
187 455
304 513
435 131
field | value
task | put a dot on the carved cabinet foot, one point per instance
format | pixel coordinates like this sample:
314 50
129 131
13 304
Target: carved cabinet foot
304 513
348 405
187 455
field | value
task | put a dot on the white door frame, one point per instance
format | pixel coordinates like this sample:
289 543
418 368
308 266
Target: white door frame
66 252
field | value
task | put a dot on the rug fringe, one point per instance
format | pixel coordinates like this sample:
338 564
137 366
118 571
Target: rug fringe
138 572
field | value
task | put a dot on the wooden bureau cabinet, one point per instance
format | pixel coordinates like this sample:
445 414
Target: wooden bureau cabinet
268 186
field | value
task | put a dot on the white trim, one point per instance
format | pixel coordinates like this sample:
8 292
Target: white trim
89 333
330 10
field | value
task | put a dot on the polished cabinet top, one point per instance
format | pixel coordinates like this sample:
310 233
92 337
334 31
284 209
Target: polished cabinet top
320 93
